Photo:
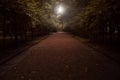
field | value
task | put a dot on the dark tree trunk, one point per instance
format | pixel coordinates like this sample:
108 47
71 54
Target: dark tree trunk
15 31
3 32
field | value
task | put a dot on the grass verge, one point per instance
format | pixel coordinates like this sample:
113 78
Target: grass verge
7 55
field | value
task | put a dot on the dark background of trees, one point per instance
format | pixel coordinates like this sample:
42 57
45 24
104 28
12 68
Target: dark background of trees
99 21
22 21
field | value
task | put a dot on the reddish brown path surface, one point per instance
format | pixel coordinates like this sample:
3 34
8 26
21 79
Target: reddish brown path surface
60 57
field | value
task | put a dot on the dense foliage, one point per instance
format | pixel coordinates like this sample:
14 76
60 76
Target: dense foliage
22 20
99 20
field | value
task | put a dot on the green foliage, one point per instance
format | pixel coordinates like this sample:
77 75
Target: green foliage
100 19
25 19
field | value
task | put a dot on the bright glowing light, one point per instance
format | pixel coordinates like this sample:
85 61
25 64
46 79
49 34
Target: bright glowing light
59 10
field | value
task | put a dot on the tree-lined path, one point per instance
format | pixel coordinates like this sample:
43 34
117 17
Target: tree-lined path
61 57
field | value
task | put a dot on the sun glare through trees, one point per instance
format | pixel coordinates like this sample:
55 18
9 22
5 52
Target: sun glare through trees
59 10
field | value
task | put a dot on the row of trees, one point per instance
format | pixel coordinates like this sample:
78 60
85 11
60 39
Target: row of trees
99 20
23 20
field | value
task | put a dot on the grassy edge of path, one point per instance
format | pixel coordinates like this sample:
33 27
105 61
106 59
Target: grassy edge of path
11 54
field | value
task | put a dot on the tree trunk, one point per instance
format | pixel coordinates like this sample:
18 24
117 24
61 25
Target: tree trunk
15 32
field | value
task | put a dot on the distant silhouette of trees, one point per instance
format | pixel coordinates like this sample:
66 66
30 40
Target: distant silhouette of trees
23 20
99 20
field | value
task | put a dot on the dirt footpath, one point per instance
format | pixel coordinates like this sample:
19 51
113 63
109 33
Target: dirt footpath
61 57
